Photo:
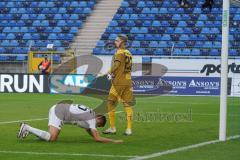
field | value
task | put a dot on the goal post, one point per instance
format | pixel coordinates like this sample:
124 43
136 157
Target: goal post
224 71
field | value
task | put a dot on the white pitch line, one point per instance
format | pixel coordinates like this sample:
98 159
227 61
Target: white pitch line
24 120
66 154
180 149
172 102
30 120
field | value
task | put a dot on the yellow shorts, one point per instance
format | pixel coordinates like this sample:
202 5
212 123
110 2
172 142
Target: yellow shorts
121 93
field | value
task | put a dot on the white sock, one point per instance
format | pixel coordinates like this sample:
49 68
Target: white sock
39 133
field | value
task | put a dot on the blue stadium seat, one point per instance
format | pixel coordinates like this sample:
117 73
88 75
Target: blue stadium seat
61 23
52 36
48 30
35 36
178 30
209 24
197 10
202 17
177 17
146 10
2 36
140 4
2 50
130 23
163 10
207 44
136 44
185 17
113 23
150 37
166 37
4 58
214 52
186 52
180 45
57 43
200 24
165 24
125 16
156 24
147 23
215 30
233 52
74 30
184 37
139 37
83 4
199 44
133 17
195 52
182 24
187 30
10 36
169 30
217 44
159 51
177 52
100 43
57 30
27 36
206 30
163 44
153 44
112 36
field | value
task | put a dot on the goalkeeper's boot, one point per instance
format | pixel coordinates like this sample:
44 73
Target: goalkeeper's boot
110 131
128 132
23 132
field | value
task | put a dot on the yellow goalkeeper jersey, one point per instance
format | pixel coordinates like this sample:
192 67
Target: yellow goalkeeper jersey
122 75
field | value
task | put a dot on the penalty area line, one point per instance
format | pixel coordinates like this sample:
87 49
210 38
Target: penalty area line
66 154
24 120
180 149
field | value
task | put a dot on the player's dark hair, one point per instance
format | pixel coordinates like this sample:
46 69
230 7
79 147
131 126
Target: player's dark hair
103 119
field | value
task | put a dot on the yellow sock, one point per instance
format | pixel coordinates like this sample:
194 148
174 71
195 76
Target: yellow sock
111 115
129 112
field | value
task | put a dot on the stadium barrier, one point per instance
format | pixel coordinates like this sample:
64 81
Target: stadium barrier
77 84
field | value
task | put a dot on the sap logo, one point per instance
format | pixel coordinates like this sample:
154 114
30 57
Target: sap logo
69 83
21 83
211 68
207 84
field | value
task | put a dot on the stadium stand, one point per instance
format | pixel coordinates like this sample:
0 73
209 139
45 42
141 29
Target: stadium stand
154 27
39 23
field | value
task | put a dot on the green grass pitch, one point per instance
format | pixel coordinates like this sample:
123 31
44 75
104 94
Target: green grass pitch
196 120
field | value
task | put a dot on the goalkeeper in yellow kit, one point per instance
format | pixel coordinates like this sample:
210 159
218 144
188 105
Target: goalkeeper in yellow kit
121 89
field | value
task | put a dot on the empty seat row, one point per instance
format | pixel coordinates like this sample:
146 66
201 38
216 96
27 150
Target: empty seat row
44 4
158 23
170 52
16 30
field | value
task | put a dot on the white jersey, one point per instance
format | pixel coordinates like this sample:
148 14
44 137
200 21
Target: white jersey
75 114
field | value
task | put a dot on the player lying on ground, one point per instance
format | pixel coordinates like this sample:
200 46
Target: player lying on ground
73 114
